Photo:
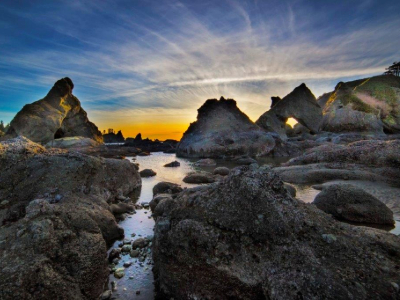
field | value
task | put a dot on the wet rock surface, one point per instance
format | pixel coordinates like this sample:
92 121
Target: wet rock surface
147 173
57 220
347 202
246 238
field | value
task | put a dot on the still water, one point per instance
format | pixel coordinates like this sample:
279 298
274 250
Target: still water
138 280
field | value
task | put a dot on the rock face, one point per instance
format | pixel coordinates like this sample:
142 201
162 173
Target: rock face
300 105
366 105
222 130
350 203
57 115
57 221
247 238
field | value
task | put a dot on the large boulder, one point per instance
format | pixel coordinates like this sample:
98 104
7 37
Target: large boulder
366 105
222 130
349 203
58 115
247 238
300 104
56 220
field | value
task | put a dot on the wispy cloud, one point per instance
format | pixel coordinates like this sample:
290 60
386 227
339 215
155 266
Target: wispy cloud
170 55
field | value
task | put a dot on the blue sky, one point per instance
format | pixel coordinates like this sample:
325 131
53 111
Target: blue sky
137 62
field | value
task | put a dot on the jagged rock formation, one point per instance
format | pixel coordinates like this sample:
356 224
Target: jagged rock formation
148 145
300 105
366 105
56 220
247 238
221 130
114 137
57 115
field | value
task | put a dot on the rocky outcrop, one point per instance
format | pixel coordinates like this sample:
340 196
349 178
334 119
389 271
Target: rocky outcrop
247 238
300 105
349 203
114 138
56 220
372 160
223 130
57 115
366 105
167 146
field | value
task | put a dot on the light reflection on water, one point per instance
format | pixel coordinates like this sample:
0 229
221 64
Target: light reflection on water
142 225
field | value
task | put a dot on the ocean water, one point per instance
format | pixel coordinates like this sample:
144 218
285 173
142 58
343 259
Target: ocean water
138 282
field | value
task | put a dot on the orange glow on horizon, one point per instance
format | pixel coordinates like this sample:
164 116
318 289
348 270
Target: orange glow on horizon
151 131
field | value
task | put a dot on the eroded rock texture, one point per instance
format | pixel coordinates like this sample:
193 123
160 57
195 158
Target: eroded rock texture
56 220
222 130
247 238
57 115
300 105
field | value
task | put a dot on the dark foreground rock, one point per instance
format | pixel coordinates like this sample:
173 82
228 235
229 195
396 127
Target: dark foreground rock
57 115
347 202
247 238
57 222
223 130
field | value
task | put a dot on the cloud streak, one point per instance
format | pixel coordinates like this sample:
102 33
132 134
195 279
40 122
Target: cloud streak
174 55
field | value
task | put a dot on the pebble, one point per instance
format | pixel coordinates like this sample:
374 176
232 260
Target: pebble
329 238
127 264
119 273
395 286
106 295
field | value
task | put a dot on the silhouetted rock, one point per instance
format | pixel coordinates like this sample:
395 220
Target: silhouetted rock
247 238
111 138
222 130
274 101
58 115
168 146
300 105
57 221
350 203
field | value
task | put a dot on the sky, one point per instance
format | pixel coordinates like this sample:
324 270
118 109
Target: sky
148 65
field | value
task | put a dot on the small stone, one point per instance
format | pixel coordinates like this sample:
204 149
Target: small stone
4 203
119 273
134 253
127 264
106 295
115 261
131 277
137 292
126 248
329 238
395 286
113 285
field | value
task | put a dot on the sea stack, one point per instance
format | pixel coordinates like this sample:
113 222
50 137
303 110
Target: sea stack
223 130
58 115
300 104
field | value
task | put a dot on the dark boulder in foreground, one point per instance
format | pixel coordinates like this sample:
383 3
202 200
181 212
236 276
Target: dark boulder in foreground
57 115
300 104
247 238
349 203
57 222
222 130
